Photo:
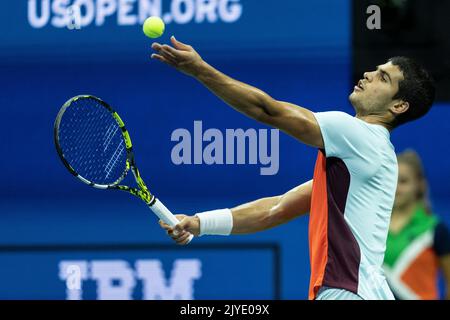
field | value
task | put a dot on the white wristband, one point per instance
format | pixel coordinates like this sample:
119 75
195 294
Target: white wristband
216 222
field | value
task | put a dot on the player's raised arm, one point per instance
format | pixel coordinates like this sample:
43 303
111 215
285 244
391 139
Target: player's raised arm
247 218
253 102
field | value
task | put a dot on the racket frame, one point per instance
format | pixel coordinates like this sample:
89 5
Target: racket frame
142 192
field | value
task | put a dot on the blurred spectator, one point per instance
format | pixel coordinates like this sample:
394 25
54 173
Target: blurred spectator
418 244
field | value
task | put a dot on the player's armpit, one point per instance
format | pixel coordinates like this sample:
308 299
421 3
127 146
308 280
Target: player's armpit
294 120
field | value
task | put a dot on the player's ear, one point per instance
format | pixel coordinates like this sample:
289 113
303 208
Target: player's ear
399 107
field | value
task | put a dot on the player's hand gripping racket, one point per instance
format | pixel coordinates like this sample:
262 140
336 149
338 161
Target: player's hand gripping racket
95 147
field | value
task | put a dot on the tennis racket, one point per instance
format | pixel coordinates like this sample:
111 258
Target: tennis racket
95 147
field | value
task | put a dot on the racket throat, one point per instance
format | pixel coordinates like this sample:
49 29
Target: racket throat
147 197
143 192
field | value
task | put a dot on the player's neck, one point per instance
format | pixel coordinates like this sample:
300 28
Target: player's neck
376 119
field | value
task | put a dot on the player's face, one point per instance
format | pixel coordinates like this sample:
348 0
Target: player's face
374 93
408 186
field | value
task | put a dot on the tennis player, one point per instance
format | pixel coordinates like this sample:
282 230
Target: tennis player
351 195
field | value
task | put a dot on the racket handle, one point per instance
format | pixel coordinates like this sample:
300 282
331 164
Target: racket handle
165 215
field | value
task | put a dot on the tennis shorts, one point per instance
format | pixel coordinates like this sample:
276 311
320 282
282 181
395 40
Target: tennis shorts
327 293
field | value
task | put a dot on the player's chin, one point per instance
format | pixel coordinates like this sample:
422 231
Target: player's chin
355 98
354 95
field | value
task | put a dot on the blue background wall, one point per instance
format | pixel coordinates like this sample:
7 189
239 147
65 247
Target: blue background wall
297 51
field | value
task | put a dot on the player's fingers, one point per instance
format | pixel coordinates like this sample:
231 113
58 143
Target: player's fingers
180 45
164 51
168 56
161 58
177 229
164 225
187 240
171 50
158 57
183 239
177 235
180 216
156 46
183 225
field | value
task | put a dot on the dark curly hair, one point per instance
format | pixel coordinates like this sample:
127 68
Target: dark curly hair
417 88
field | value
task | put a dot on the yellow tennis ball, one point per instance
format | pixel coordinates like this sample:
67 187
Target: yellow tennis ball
153 27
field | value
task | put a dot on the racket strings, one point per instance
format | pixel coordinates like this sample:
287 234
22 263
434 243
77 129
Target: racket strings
112 163
92 142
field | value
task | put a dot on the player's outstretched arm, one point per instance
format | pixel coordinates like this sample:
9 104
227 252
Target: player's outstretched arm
247 218
255 103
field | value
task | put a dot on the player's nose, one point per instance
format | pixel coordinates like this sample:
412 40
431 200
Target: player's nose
367 76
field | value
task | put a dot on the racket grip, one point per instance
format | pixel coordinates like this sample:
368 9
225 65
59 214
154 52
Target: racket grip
165 215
